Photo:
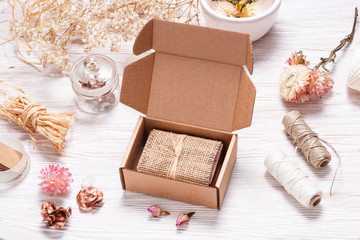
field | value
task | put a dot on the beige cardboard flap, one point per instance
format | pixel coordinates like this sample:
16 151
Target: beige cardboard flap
196 42
245 103
143 41
192 91
194 77
167 188
136 83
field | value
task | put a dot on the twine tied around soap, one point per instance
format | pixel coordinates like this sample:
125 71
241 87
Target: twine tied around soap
177 145
309 142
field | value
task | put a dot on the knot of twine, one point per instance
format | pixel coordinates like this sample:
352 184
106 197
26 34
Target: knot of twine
30 115
176 152
309 142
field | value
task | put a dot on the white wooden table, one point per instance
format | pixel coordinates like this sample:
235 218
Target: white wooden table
255 204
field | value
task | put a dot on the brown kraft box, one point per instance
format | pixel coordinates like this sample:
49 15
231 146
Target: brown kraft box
193 83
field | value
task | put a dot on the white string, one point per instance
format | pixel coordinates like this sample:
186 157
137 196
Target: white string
293 179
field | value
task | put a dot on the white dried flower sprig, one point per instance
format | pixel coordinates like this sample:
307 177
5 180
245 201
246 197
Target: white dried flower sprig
44 28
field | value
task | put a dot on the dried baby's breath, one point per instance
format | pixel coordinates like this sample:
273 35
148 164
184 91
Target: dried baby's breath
44 28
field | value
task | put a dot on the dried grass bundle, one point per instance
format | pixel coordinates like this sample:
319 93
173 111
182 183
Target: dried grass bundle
44 28
35 119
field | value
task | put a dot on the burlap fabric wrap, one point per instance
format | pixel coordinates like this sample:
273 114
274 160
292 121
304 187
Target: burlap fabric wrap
180 157
306 139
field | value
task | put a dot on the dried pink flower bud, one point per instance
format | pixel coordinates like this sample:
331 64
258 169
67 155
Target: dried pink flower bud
156 211
183 218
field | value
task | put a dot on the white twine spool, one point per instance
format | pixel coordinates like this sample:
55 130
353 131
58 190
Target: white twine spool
353 80
293 179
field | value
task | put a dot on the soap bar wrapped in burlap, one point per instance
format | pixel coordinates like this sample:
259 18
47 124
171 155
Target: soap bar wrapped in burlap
180 157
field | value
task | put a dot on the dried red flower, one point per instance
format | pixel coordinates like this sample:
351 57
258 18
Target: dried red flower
55 216
88 197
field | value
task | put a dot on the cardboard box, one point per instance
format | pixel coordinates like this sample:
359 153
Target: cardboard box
193 83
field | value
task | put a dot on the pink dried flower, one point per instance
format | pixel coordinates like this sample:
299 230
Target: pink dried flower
156 211
55 179
183 218
293 83
297 58
319 83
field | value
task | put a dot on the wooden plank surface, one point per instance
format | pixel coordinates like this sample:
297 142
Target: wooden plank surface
255 206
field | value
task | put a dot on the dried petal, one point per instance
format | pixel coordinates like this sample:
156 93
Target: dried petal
156 211
54 216
183 218
297 58
294 82
226 8
320 83
88 197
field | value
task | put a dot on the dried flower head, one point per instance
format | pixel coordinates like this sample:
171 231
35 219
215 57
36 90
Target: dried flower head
299 83
88 197
297 58
226 8
296 87
183 218
55 179
293 83
245 9
319 83
44 28
156 211
235 8
54 216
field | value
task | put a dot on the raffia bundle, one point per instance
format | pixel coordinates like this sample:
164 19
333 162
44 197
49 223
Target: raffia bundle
180 157
35 119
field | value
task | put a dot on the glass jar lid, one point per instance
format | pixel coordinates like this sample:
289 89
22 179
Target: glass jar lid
94 75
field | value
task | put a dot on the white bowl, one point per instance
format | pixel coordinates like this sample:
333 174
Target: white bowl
256 26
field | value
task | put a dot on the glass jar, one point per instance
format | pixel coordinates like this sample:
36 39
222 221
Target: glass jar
95 81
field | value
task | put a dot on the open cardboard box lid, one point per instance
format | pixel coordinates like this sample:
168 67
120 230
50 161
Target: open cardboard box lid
195 76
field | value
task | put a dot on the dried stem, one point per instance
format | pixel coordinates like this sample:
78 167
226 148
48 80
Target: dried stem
347 39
